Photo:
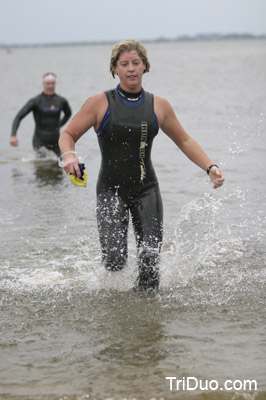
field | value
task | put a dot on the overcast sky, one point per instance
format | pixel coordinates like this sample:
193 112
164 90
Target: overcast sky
53 21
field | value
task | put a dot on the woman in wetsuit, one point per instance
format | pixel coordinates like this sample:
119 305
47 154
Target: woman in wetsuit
126 121
47 108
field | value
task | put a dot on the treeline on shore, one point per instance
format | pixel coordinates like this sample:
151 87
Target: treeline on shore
183 38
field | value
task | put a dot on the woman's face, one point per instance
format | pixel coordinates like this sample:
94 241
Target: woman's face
130 69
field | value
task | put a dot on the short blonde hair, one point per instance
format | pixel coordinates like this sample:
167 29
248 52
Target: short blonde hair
128 45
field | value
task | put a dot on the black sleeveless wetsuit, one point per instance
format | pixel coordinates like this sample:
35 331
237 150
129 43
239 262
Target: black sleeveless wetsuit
46 111
127 183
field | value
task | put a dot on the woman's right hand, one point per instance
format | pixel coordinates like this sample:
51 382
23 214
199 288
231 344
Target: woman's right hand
71 164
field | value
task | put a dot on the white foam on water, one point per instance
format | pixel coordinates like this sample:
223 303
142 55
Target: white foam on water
43 154
210 258
69 273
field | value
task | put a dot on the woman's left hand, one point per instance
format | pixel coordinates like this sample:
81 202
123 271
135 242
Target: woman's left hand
217 177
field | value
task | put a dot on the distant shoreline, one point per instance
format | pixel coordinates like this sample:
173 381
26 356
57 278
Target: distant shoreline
183 38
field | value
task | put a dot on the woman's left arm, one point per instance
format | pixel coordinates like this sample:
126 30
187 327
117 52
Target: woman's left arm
171 127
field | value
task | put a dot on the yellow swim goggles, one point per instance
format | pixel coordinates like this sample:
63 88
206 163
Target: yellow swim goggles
79 180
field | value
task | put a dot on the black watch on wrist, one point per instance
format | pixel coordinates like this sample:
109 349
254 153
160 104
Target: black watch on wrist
209 168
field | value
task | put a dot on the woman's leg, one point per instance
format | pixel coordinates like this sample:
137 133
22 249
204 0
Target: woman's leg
147 218
112 219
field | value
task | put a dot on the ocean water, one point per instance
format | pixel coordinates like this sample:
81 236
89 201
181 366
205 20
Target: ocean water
70 330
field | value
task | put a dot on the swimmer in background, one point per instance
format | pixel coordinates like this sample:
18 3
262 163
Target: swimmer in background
47 108
126 120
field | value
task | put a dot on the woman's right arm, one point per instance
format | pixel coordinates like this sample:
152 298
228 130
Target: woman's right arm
88 116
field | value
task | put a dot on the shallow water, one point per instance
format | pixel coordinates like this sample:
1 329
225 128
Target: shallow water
71 330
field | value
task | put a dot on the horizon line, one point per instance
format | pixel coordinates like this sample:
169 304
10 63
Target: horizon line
161 39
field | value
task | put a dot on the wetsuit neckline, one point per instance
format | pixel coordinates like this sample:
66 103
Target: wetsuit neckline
49 95
129 96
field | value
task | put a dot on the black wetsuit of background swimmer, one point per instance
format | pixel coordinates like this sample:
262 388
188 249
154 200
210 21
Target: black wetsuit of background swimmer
127 183
46 110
